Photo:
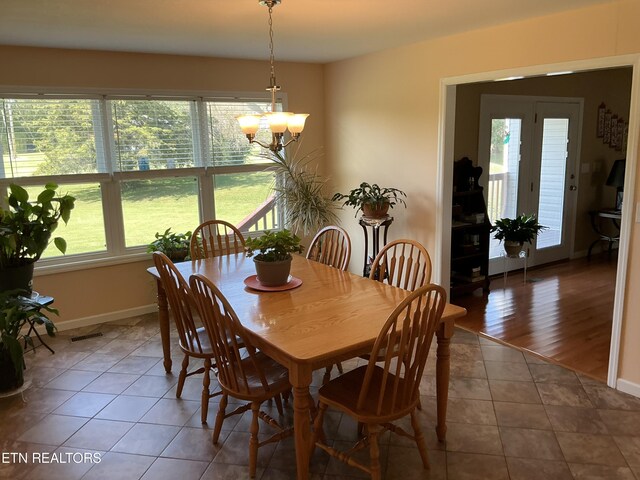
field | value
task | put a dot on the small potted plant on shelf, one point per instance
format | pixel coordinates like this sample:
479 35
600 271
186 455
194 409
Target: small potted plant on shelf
373 200
514 232
25 232
272 256
173 245
15 313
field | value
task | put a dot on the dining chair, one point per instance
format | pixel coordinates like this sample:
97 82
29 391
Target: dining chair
331 246
251 376
214 238
193 340
402 263
377 395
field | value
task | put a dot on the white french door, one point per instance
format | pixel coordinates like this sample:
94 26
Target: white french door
529 147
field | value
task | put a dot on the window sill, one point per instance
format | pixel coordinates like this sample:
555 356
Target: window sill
89 263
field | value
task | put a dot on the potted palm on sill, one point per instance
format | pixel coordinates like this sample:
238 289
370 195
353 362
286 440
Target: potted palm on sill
514 232
26 228
272 256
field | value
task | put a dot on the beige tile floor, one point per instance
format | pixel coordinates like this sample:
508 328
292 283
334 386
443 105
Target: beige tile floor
510 416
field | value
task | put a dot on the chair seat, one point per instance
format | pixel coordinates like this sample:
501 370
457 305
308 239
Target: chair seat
276 376
343 393
205 344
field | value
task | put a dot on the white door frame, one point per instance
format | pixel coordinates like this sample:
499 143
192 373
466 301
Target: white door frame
444 192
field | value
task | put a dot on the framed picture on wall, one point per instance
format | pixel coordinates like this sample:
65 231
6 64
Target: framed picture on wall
619 134
614 131
601 110
606 133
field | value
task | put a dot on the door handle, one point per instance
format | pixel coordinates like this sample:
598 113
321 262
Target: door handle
573 188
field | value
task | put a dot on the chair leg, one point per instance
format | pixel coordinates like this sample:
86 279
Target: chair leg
253 441
420 441
318 431
327 375
278 401
183 376
206 381
374 432
220 418
360 428
340 369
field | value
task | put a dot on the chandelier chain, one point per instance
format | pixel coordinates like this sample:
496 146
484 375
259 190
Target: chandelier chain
271 56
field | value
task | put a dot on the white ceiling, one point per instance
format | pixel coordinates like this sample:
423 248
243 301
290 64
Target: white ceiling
305 30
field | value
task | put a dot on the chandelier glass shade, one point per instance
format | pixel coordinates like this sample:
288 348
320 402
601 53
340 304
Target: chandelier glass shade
279 122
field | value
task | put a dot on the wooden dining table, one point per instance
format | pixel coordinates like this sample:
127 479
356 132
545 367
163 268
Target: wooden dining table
331 317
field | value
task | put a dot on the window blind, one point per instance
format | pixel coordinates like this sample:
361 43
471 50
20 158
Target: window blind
49 137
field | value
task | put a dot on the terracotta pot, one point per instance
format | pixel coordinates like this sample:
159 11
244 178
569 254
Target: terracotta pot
20 277
513 249
375 210
273 274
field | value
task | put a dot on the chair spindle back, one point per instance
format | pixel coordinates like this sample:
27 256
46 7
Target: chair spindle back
180 303
402 263
214 238
404 343
227 336
331 246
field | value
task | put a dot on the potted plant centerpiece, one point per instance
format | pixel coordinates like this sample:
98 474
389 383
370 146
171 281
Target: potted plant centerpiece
15 313
514 232
25 232
373 200
272 256
173 245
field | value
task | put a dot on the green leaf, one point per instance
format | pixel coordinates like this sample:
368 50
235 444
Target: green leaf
61 244
46 196
19 193
51 186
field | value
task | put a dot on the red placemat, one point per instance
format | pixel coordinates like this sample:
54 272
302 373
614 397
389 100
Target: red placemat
252 282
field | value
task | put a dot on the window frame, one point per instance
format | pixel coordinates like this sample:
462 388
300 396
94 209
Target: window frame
109 179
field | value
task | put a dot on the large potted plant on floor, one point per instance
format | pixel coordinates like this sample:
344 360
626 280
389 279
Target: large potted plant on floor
373 200
26 228
273 257
15 313
516 231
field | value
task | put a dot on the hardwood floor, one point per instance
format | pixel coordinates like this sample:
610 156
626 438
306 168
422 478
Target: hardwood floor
563 313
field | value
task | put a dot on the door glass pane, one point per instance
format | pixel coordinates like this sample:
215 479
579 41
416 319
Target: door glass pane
246 200
151 206
552 180
502 190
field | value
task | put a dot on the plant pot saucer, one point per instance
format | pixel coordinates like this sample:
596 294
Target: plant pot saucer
17 391
253 283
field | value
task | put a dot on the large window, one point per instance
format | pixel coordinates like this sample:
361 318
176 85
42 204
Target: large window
137 166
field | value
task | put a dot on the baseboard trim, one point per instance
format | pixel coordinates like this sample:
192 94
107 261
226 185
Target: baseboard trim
628 387
104 317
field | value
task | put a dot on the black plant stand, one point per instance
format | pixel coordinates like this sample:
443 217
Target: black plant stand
43 301
374 224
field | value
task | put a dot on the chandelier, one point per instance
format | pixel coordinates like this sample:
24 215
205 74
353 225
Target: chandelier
278 122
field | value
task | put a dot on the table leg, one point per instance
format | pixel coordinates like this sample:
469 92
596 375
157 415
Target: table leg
163 320
300 378
444 334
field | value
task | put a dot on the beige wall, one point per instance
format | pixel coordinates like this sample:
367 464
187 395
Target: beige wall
382 113
88 293
612 86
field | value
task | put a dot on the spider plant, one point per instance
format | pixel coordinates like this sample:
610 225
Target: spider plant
302 190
